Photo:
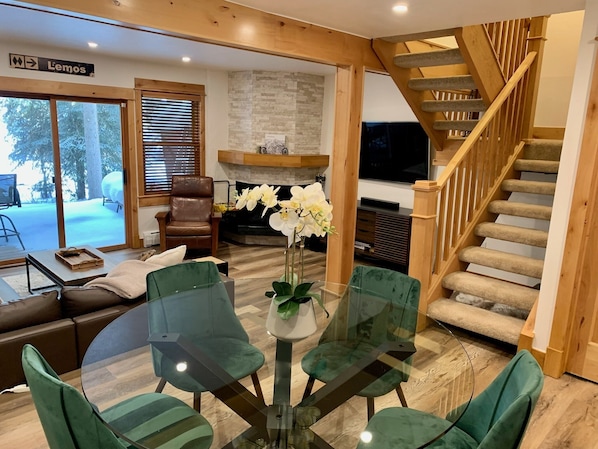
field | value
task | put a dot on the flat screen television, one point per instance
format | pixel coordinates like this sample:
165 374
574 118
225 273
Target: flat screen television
394 151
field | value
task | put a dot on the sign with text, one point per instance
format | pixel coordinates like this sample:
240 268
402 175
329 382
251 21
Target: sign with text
40 64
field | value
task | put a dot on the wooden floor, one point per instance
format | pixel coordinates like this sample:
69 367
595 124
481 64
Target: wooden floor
566 415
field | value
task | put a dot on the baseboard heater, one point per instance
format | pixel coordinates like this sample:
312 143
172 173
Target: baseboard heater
151 238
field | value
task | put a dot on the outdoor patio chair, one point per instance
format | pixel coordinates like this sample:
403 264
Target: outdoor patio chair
9 196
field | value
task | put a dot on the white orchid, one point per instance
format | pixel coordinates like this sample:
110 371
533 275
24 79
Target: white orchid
305 214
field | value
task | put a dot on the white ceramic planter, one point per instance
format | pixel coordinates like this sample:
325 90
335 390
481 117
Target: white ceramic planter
295 328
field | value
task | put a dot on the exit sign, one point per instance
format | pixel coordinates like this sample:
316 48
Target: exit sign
40 64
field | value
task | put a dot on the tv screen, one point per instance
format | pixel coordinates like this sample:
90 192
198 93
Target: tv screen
394 151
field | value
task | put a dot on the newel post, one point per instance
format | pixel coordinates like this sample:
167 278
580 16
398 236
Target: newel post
423 236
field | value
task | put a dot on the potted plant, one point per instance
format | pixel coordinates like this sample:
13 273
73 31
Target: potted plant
307 213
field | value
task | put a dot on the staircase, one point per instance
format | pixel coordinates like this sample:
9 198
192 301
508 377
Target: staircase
498 289
447 88
481 228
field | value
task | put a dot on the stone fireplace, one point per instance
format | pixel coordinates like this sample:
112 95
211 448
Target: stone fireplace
260 103
283 103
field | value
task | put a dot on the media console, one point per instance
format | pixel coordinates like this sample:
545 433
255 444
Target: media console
383 234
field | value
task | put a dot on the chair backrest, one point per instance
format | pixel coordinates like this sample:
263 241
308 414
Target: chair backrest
498 417
196 304
67 418
191 198
378 305
8 187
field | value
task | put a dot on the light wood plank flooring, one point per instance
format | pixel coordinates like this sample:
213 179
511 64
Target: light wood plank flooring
566 415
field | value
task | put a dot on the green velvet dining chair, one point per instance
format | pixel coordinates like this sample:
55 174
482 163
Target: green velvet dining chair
379 305
206 318
69 421
496 419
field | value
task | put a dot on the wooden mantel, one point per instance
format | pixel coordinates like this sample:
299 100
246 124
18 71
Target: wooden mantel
273 160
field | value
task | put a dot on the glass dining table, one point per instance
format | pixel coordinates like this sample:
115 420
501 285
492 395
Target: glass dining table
438 373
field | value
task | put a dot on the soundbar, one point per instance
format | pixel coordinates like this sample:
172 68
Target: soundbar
381 204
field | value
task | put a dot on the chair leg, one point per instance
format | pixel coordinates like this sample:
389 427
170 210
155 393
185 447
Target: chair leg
308 387
197 401
258 387
161 385
401 396
370 408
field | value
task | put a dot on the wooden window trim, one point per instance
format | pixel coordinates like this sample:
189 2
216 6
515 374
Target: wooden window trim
170 90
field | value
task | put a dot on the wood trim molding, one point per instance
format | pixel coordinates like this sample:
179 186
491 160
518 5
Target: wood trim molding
219 22
64 89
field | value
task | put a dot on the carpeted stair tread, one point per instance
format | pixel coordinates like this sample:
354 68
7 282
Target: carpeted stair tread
537 166
468 105
543 149
513 263
491 289
484 322
459 125
443 83
520 209
509 233
429 58
520 185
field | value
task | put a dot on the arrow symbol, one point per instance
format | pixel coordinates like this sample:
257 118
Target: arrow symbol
31 62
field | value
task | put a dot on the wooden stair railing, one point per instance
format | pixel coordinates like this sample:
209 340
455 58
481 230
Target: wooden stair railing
487 56
446 211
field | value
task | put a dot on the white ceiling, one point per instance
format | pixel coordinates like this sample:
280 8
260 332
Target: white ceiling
374 18
368 18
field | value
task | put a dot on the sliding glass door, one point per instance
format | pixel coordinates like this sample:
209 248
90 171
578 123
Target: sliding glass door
68 161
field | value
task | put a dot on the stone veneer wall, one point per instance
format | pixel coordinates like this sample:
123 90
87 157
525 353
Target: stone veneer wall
263 103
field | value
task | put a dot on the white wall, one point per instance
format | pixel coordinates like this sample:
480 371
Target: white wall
566 178
383 102
558 68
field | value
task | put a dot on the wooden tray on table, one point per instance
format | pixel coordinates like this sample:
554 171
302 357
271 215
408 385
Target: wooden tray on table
79 259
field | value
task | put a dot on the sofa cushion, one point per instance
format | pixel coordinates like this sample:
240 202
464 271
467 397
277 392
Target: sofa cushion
30 311
77 301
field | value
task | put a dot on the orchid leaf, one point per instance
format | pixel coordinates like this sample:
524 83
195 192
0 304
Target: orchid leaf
318 298
302 290
288 310
282 288
278 300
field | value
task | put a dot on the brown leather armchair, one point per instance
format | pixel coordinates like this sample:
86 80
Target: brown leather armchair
191 219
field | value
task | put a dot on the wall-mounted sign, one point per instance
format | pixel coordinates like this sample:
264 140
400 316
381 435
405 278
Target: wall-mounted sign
40 64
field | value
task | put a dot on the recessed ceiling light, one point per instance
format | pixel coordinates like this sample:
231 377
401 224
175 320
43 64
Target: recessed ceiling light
92 45
186 59
400 9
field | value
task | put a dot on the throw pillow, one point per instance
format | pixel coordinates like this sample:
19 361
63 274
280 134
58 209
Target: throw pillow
30 311
170 256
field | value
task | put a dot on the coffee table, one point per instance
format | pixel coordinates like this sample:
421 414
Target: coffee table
46 263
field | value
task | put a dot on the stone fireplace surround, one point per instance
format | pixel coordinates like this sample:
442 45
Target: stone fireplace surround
287 103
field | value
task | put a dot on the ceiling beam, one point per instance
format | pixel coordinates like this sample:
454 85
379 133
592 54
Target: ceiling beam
222 23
